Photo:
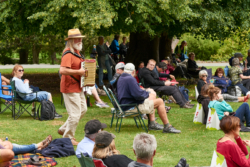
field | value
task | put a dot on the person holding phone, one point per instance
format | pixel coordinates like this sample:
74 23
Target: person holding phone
234 153
223 109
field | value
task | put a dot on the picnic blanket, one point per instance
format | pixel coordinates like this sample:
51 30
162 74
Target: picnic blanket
17 160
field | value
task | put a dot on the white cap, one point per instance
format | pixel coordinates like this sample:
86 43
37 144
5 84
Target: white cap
129 67
119 65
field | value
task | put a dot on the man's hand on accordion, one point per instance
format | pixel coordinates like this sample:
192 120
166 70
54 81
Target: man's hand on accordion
81 71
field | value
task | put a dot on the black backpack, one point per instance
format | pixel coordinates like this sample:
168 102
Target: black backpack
47 111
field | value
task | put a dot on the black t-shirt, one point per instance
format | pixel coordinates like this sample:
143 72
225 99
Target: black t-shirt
117 161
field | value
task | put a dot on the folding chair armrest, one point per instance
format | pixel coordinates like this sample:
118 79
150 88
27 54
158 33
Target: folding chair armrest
26 93
7 86
129 104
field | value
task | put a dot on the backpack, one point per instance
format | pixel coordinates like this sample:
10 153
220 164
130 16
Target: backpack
184 91
231 61
47 110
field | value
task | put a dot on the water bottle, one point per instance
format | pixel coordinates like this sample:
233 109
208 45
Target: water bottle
6 138
226 70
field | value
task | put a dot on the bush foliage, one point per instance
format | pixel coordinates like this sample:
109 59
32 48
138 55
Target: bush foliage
217 50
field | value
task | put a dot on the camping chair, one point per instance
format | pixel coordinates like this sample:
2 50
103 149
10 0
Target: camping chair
23 105
89 162
113 111
7 98
120 114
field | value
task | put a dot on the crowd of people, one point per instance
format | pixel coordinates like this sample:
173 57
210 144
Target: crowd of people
138 86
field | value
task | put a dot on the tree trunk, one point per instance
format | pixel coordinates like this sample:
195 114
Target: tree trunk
23 55
165 49
53 57
142 48
35 52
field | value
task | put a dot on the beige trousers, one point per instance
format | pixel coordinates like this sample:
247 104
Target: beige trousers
76 107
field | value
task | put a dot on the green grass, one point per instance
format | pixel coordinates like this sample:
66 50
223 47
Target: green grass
195 143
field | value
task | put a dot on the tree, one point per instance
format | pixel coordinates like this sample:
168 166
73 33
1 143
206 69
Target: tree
156 22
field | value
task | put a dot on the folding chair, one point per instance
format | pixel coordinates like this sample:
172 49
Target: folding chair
90 162
120 114
196 92
23 105
113 111
7 98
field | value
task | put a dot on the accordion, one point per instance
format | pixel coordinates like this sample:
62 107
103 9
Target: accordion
89 65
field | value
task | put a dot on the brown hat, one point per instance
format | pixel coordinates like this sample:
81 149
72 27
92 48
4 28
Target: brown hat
74 33
103 139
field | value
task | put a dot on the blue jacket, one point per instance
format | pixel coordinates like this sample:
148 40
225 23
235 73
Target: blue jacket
223 83
129 91
115 46
220 107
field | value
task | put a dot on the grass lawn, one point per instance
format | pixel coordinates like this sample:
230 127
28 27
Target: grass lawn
195 143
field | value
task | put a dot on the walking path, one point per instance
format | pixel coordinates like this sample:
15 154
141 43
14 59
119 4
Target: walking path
58 66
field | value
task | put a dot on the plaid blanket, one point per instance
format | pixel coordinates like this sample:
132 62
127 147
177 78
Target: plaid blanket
17 161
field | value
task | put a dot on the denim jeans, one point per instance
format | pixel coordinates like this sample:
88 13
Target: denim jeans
21 149
107 64
243 88
41 95
242 111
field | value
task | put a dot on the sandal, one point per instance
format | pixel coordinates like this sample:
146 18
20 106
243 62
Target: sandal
167 109
36 161
46 142
246 98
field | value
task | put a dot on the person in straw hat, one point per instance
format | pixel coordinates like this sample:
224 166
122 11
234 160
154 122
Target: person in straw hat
73 95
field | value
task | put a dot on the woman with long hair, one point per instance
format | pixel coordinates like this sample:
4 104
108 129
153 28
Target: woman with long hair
105 149
223 109
26 93
234 153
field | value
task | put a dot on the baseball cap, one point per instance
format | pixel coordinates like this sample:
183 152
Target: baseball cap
129 67
119 65
93 126
162 65
238 55
103 139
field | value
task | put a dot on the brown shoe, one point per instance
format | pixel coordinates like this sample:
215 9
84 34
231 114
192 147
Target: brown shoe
74 142
60 132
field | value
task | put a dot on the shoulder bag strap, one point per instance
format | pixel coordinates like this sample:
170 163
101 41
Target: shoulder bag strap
76 56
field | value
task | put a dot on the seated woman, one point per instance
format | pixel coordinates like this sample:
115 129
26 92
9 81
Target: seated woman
234 153
238 78
220 80
140 66
104 149
203 80
8 149
204 100
22 86
192 67
223 109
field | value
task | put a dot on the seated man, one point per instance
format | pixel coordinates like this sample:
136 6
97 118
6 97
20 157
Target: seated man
144 147
119 68
129 92
151 80
91 129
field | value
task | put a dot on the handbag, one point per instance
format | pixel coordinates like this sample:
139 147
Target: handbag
218 160
234 91
184 91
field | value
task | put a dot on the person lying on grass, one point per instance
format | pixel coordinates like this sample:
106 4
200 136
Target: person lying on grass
22 86
8 149
105 149
223 109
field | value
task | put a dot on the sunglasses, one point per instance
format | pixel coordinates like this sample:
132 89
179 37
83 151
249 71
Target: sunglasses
21 70
204 75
